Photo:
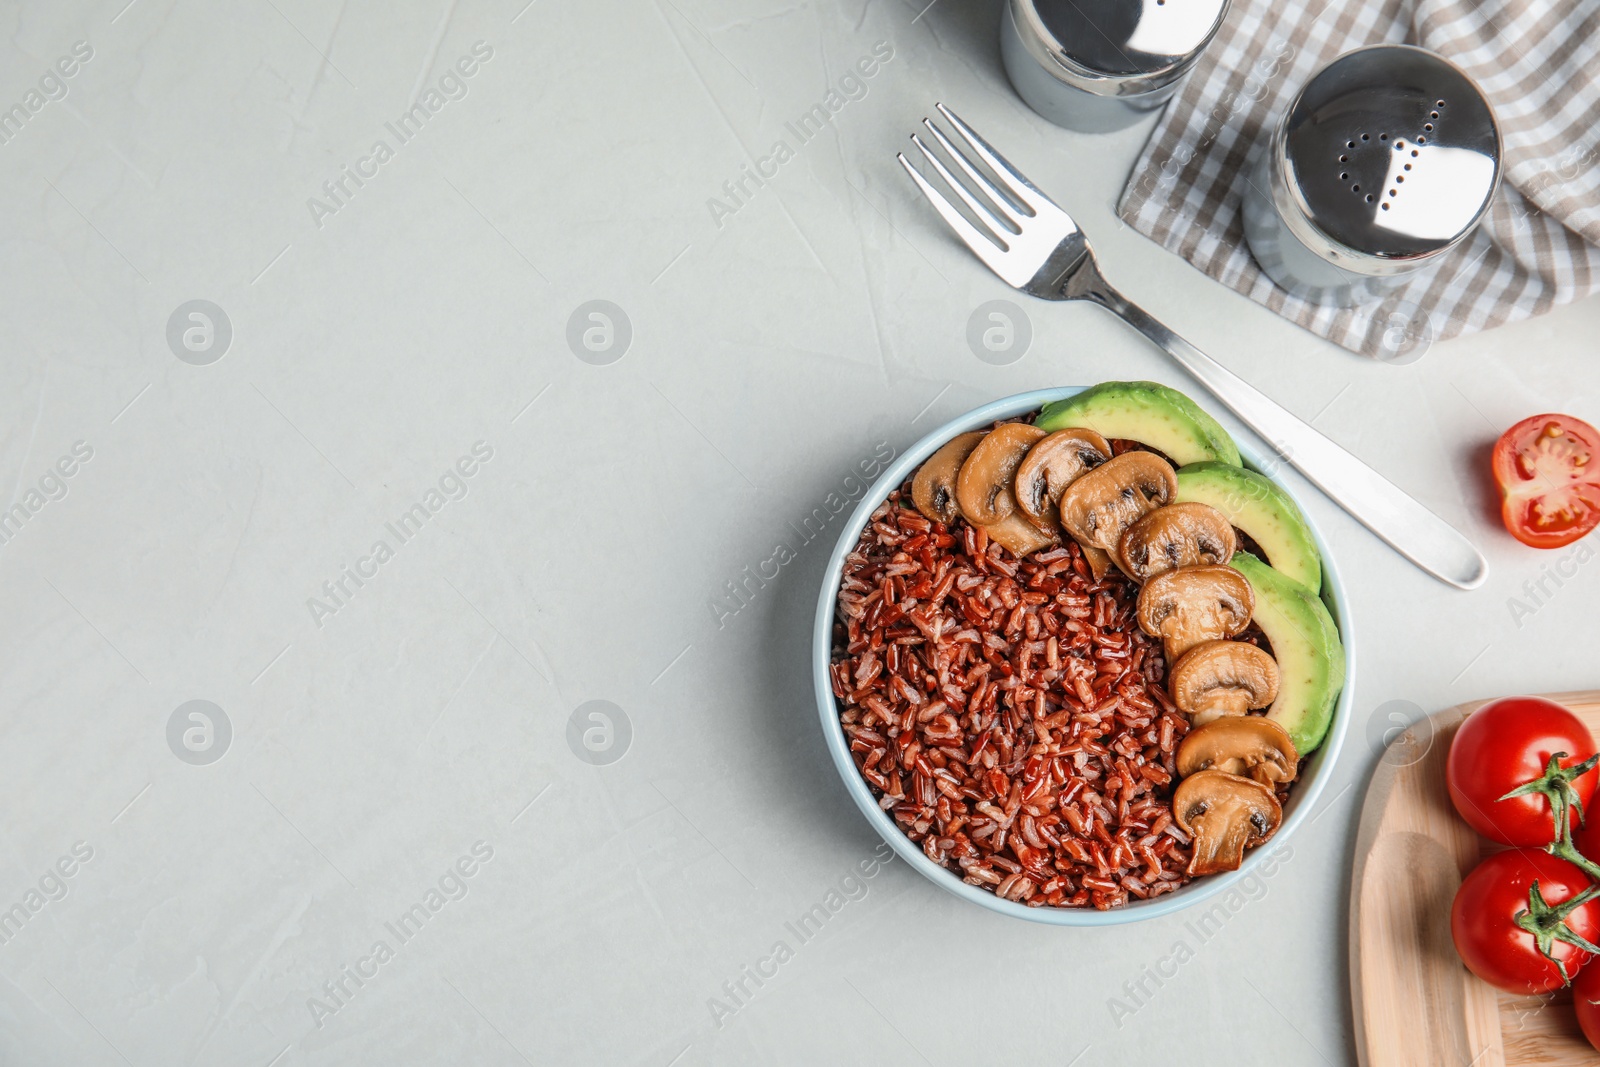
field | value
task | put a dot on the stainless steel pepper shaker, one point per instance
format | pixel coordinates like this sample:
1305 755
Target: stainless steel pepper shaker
1386 160
1100 65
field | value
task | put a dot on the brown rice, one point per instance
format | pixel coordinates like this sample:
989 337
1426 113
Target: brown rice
1010 715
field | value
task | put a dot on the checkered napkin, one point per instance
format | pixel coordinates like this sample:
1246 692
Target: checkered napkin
1538 61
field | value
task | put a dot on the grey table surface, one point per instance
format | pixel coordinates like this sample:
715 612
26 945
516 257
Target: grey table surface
388 328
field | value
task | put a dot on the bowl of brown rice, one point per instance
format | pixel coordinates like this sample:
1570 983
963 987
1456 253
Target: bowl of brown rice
1004 724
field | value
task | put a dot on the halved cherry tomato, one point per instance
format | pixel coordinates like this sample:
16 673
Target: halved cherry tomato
1548 470
1483 921
1586 999
1506 744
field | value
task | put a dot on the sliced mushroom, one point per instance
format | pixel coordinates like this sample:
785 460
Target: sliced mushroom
933 490
1194 604
1101 504
1250 746
1225 814
1099 560
1178 535
1051 465
983 488
1217 678
1019 535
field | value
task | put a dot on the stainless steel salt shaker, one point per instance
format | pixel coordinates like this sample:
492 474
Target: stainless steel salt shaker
1386 160
1100 65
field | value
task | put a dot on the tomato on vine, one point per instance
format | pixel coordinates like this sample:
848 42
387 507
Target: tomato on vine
1587 837
1586 1000
1517 765
1522 921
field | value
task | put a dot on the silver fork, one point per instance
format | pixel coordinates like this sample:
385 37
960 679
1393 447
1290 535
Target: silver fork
1036 247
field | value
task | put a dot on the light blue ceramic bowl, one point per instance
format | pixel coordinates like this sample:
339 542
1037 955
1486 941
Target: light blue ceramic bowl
1302 798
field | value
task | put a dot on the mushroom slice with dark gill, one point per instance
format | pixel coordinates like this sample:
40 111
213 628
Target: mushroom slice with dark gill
1225 814
1101 504
983 488
933 490
1217 678
1178 535
1250 746
1051 465
1189 605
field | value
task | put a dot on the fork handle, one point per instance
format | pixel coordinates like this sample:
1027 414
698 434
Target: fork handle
1377 503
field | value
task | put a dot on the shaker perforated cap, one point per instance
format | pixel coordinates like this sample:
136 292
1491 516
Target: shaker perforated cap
1118 47
1392 152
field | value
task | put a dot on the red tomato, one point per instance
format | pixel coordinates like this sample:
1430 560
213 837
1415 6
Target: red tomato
1548 470
1483 920
1586 999
1587 836
1505 744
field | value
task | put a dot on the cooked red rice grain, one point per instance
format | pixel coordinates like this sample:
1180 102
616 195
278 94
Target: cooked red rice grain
1010 715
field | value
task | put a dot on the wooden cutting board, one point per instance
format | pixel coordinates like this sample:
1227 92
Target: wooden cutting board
1414 1002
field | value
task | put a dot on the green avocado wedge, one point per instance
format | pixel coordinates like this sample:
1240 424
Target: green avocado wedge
1261 509
1305 643
1148 412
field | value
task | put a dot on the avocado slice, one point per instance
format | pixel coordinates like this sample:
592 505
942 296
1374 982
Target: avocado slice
1306 644
1148 412
1259 507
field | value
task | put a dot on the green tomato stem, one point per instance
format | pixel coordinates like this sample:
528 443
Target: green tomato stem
1547 925
1563 848
1555 785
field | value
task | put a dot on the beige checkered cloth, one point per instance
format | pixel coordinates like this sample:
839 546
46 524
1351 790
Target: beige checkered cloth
1538 61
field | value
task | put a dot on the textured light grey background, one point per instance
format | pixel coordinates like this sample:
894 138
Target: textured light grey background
773 348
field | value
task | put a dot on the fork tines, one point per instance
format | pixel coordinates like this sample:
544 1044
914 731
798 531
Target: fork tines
1004 205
